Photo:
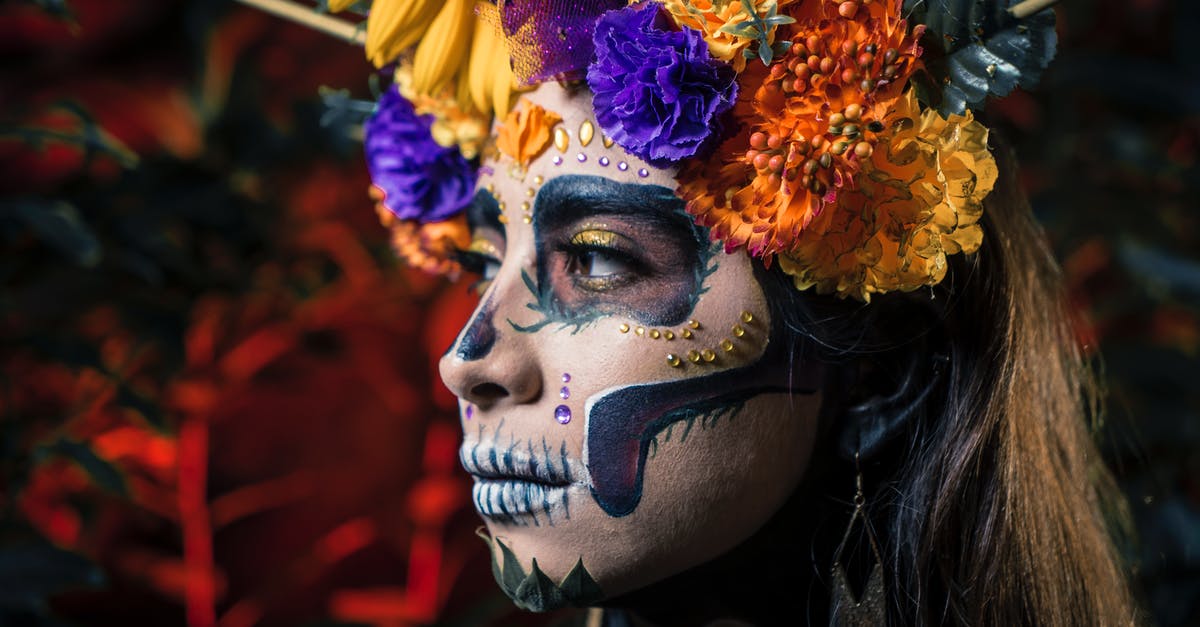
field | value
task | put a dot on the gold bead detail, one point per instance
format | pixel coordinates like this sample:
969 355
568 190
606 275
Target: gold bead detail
747 317
586 132
640 330
654 334
527 219
491 188
693 357
562 141
503 219
501 205
538 180
608 143
674 360
525 205
738 331
530 192
693 324
727 346
686 333
670 335
624 328
708 355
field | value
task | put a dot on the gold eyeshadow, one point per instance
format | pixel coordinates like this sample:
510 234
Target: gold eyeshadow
484 246
595 237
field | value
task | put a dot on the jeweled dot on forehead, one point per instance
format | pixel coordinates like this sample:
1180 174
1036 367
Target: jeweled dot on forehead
557 160
604 162
643 172
622 166
581 157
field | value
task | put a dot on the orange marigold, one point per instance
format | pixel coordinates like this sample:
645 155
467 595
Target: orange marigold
432 246
813 120
919 198
525 132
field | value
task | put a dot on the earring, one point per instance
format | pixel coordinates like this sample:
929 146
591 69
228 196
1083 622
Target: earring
868 610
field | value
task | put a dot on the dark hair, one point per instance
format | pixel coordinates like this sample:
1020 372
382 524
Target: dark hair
990 505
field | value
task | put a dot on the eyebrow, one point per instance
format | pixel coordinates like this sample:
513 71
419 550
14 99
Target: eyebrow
484 211
572 197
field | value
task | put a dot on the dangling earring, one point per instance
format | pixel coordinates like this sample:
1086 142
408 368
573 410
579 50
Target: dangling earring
845 610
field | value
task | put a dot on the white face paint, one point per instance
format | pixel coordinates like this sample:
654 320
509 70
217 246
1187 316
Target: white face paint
621 402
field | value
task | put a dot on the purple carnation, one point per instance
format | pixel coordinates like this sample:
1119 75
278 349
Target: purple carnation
421 179
657 92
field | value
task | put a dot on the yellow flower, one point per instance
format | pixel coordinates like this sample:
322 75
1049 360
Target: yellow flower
525 133
455 119
712 17
337 6
396 25
918 198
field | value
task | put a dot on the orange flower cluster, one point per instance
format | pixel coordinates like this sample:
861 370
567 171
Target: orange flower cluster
525 132
826 138
717 18
432 247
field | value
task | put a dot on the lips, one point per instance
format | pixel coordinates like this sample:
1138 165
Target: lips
522 483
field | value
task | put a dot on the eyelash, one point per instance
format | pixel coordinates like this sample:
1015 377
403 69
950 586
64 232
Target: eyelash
575 252
477 263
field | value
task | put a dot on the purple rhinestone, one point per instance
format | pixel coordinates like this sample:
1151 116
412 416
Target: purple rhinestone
470 411
622 166
604 162
643 173
557 160
581 157
486 170
562 414
566 378
564 393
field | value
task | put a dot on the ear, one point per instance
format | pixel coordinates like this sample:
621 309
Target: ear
891 395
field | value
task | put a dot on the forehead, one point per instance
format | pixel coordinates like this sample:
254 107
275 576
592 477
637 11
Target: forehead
577 146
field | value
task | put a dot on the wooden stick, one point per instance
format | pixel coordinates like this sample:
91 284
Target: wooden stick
1022 10
306 16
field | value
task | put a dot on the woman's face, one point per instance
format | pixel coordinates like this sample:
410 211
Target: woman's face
621 401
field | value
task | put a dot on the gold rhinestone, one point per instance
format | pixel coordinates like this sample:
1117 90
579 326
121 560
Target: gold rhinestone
670 335
693 324
608 143
747 317
530 192
562 141
525 206
738 331
640 330
538 180
503 219
586 132
501 205
526 219
490 188
708 355
686 334
727 346
693 357
654 334
624 328
674 360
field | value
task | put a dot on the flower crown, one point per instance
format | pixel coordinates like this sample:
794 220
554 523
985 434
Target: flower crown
834 137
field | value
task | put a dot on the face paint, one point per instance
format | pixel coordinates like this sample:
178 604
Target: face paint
480 336
588 443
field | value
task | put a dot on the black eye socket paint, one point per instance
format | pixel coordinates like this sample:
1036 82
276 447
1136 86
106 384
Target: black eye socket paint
623 425
480 336
666 255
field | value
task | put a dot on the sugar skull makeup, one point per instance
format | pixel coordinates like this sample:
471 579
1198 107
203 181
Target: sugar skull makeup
629 416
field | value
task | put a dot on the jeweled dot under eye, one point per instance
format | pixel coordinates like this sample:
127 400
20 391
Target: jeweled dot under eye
562 414
564 393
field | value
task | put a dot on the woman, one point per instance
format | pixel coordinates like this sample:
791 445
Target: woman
766 333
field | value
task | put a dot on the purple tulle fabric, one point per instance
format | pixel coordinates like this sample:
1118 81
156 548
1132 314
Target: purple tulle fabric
550 39
657 92
421 179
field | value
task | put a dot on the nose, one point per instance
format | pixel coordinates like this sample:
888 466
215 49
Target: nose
491 364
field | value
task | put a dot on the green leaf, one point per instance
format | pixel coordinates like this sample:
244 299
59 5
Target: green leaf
766 54
59 225
29 574
512 572
100 470
985 50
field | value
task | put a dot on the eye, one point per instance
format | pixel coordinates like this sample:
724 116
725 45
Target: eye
596 263
482 258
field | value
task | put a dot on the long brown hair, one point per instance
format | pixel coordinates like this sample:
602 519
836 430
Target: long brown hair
994 508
